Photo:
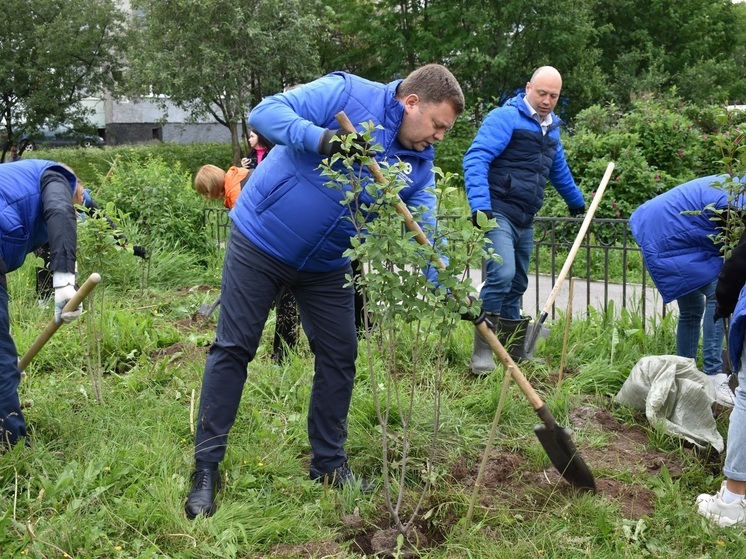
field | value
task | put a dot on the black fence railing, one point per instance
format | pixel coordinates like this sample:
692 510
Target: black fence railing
217 223
607 267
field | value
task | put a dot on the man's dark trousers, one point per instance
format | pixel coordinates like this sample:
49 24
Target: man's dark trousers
251 280
12 424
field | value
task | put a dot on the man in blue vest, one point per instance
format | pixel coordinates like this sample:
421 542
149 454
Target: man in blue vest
516 150
36 206
291 230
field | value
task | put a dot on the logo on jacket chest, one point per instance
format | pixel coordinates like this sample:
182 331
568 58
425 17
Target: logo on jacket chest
405 172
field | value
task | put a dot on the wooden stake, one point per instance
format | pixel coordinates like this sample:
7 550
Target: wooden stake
568 318
191 413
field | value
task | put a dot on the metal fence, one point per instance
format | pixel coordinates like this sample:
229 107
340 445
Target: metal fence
601 269
608 266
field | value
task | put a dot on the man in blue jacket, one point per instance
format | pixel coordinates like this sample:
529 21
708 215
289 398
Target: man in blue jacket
516 150
684 262
291 230
36 206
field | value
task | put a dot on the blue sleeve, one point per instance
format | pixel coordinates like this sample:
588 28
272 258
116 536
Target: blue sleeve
298 118
563 182
491 140
59 215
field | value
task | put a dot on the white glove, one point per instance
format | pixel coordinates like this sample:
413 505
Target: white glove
64 289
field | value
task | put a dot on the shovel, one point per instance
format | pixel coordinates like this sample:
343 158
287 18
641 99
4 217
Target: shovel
732 375
555 439
207 310
52 327
534 332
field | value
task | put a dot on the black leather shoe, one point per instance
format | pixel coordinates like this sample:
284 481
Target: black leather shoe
342 476
201 499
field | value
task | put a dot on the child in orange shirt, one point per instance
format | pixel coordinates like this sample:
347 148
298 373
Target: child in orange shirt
212 182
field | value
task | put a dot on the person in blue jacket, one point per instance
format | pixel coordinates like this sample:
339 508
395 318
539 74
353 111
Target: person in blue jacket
684 262
506 168
44 289
37 200
291 230
727 507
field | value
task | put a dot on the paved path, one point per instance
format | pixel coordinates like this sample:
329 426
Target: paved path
588 294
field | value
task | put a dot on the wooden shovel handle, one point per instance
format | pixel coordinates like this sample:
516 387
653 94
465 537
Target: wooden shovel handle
346 124
52 327
579 238
498 349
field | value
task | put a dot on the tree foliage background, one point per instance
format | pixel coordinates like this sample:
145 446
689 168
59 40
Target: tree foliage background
219 57
53 53
606 50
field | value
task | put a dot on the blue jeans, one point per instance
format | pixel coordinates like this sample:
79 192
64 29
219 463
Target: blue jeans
735 453
507 281
12 424
251 281
692 307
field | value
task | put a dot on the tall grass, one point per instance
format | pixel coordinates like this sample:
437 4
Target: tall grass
109 479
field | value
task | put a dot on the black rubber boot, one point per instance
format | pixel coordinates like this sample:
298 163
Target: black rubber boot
512 334
482 360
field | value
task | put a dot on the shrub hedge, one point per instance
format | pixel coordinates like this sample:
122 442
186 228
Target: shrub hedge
661 142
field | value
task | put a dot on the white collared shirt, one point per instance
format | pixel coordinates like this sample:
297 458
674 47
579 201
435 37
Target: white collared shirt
545 124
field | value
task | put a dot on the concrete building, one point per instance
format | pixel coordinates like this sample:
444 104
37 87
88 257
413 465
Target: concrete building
127 121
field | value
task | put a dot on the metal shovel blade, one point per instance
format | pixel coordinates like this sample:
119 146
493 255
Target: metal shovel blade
564 456
207 310
555 439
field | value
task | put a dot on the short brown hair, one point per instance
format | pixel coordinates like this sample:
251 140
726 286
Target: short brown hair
433 83
210 181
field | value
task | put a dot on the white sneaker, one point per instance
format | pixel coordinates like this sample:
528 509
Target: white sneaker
715 509
723 393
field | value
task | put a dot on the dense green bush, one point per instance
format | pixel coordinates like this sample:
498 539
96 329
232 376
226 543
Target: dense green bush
160 200
92 164
661 143
669 140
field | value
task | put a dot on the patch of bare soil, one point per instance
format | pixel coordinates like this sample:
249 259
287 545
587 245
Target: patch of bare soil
506 477
627 448
509 479
180 351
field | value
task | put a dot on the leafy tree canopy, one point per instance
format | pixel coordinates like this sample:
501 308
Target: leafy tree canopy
53 53
220 57
606 50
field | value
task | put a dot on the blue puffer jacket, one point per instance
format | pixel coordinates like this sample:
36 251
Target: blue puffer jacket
677 248
287 209
22 225
507 165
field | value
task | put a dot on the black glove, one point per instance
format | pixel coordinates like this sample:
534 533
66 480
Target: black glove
140 252
472 315
575 212
487 213
720 312
332 140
